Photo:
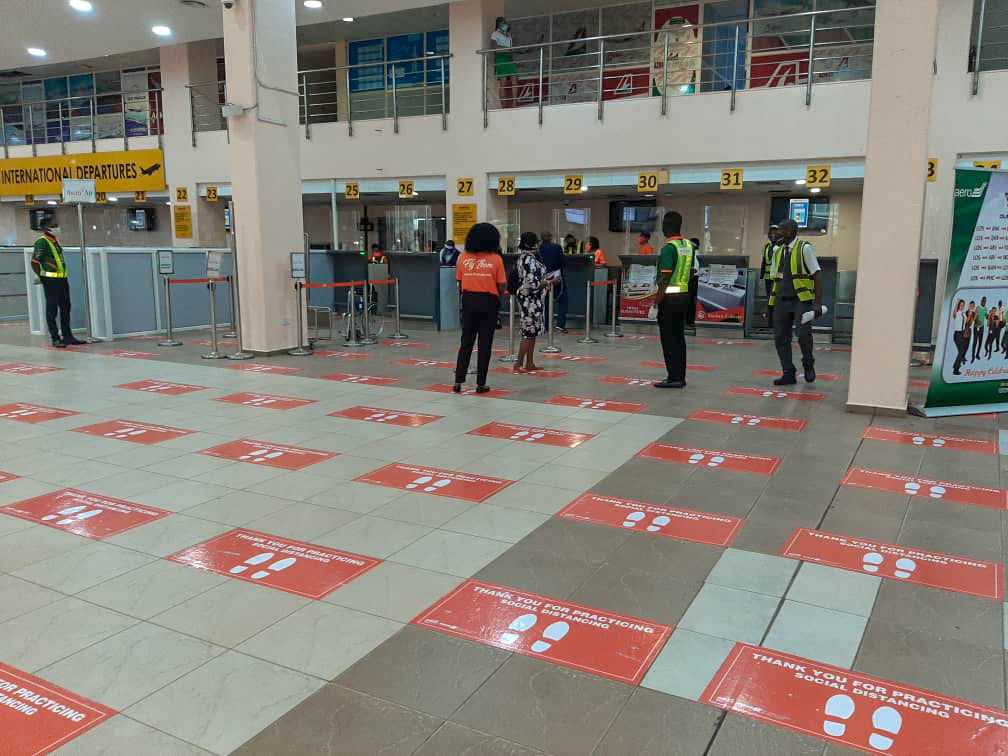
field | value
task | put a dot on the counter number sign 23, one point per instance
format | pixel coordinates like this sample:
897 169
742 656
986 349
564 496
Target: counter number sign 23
406 190
506 186
464 187
573 184
731 179
817 177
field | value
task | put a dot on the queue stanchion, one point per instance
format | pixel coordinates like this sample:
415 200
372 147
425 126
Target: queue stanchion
301 350
239 353
550 347
351 334
366 338
614 332
588 316
170 340
213 354
398 335
510 356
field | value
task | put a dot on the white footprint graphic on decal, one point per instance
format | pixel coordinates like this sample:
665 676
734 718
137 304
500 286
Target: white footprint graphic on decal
715 461
526 436
904 565
518 625
425 480
632 519
911 488
838 707
871 561
936 492
277 566
696 459
13 414
740 420
381 417
72 514
419 482
552 634
592 404
260 401
658 523
889 721
260 455
125 433
257 559
920 441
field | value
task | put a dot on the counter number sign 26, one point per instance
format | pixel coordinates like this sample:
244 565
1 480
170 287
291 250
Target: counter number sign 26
406 190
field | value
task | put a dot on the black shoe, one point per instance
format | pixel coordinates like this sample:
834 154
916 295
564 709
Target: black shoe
788 379
561 329
810 375
670 384
57 344
482 389
73 341
457 388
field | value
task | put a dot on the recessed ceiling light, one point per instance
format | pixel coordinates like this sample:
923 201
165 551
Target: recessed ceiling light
168 203
584 188
815 190
81 5
348 19
161 31
800 182
113 199
51 202
37 52
312 3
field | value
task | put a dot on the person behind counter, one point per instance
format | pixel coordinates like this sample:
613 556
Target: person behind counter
449 254
644 243
593 248
377 257
480 272
552 255
572 246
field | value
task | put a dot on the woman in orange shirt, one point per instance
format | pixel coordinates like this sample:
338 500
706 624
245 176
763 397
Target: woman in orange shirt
592 248
481 276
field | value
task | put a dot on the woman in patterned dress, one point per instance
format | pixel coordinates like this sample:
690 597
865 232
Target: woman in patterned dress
532 274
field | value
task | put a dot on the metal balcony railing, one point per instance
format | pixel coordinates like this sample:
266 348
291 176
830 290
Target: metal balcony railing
989 43
205 102
794 49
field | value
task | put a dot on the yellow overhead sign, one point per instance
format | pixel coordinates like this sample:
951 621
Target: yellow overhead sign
731 179
818 176
135 170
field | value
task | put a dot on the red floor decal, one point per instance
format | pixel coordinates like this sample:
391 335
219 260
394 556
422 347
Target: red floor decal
749 421
296 567
83 513
413 361
930 440
851 708
431 480
25 368
269 455
533 373
711 458
252 399
587 402
611 645
38 717
130 354
32 413
445 388
369 380
531 434
573 358
137 433
162 387
220 342
919 384
801 396
724 342
256 367
911 485
694 368
930 568
387 416
623 380
673 522
343 355
819 376
404 344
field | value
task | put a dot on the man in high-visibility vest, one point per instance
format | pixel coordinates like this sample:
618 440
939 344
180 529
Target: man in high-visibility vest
49 265
765 264
677 269
796 299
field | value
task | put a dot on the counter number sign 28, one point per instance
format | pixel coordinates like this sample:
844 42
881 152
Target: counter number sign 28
573 184
506 186
731 179
464 187
406 190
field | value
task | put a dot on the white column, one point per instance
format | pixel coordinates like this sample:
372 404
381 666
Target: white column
265 166
893 203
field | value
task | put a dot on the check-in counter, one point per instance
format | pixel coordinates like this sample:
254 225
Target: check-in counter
419 283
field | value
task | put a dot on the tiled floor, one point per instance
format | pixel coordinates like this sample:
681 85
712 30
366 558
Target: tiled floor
245 658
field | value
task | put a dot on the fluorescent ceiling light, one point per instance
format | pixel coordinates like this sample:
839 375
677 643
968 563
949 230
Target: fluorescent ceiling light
113 199
51 202
37 52
312 3
800 182
161 31
815 190
348 19
81 5
584 188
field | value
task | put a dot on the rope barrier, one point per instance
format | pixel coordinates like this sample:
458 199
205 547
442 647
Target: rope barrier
337 285
610 282
222 279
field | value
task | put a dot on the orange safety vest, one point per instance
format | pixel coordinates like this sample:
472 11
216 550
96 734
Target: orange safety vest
600 257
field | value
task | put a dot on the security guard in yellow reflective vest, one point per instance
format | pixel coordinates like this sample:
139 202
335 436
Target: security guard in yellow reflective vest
796 299
677 264
49 265
765 264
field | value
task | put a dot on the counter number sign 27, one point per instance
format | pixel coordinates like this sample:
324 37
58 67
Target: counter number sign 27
406 190
464 187
731 179
817 176
573 184
506 186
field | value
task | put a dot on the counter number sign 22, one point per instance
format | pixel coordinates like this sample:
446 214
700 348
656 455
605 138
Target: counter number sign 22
506 186
817 176
464 187
573 184
731 179
406 190
181 194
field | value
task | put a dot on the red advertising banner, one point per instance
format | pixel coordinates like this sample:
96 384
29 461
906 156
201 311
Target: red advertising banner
270 455
750 421
269 401
32 413
257 367
626 82
370 380
25 368
131 355
723 342
602 643
776 374
37 717
930 568
137 433
83 513
695 368
799 396
723 460
573 358
532 434
658 519
636 300
624 380
431 480
587 402
342 355
162 387
387 416
533 373
911 485
931 441
851 708
413 361
445 388
304 569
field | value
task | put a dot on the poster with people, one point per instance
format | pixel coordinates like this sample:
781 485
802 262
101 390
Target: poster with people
970 372
679 25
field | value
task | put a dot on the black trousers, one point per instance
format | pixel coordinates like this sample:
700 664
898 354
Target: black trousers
560 304
479 321
962 342
672 327
977 343
57 297
787 321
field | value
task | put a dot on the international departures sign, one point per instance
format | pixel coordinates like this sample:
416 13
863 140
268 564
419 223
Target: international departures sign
132 171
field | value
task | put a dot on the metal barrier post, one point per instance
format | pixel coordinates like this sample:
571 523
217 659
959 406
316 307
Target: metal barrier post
239 353
213 354
664 86
89 337
351 340
601 77
170 339
613 333
510 356
367 338
398 335
3 134
550 347
588 316
541 61
444 110
486 120
395 104
349 110
300 350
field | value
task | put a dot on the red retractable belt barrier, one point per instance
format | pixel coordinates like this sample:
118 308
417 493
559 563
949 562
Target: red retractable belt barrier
222 279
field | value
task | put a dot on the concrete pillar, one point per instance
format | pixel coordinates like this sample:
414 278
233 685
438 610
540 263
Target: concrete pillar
893 203
265 167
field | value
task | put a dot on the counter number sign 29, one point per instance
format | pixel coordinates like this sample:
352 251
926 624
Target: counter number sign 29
464 187
352 190
647 182
506 186
406 190
817 177
731 179
573 184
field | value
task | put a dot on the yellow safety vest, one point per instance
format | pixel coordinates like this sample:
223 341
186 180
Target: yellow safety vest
60 271
768 255
679 281
801 279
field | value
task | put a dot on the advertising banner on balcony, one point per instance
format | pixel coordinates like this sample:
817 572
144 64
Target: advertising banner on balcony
678 23
970 372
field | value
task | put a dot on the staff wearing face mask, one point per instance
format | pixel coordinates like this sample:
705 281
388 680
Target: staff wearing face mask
796 299
49 264
449 254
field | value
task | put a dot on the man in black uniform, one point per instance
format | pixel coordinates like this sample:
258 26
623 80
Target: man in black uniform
796 299
49 264
766 263
675 277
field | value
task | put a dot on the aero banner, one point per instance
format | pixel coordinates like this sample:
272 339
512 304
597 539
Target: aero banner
970 372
